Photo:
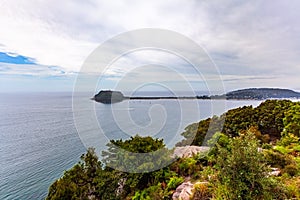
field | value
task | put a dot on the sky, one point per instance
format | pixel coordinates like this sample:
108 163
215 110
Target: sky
45 43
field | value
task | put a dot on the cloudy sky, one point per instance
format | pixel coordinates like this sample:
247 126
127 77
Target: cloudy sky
44 43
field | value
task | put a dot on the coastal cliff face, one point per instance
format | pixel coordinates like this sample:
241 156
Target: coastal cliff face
108 96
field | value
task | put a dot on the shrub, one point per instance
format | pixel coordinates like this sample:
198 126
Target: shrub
174 182
267 146
288 139
201 191
293 187
242 171
282 149
290 169
277 159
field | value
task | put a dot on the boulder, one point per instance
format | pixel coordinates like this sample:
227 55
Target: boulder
189 151
183 191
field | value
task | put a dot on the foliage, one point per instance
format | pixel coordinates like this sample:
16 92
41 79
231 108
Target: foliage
152 193
194 134
77 182
88 179
159 191
288 139
277 159
270 116
291 121
208 174
269 119
236 168
291 169
222 141
138 144
284 154
202 191
199 133
282 149
293 187
242 171
238 119
255 130
138 154
162 190
174 182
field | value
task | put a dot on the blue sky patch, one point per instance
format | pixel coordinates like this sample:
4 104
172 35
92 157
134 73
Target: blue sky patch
15 59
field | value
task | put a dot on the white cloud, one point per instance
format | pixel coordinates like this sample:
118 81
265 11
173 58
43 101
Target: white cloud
63 33
245 38
25 32
32 70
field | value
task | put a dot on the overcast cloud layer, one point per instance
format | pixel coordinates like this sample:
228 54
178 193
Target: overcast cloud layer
253 43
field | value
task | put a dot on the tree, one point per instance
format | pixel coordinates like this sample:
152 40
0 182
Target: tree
238 119
78 182
199 133
243 171
194 134
291 121
138 154
270 116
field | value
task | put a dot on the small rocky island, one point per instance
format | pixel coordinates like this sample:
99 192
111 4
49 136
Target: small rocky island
108 96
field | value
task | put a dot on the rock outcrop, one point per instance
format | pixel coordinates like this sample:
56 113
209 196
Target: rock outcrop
186 190
108 97
189 151
183 191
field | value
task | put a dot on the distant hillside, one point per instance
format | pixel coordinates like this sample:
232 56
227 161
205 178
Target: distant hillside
262 93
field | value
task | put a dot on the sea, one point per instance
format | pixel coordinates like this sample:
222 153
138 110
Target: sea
44 134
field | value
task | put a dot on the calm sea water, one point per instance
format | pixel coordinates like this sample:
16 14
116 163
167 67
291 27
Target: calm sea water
39 139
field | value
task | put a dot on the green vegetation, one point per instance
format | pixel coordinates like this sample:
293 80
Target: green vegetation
90 179
241 172
262 93
251 143
270 118
136 154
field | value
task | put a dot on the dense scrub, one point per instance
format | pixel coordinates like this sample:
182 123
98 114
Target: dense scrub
271 118
251 143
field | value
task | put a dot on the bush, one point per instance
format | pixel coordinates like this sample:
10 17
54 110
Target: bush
290 169
282 149
277 159
174 182
242 171
288 139
201 191
291 121
293 187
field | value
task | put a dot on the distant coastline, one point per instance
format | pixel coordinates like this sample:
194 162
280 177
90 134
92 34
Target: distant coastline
109 96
